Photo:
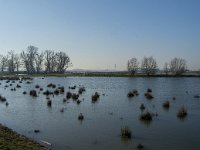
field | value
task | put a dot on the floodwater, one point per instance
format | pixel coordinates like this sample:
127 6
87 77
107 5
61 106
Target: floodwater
104 119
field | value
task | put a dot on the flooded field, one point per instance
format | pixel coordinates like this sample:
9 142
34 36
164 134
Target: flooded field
55 119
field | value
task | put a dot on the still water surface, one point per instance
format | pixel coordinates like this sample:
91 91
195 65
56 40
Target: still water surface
103 120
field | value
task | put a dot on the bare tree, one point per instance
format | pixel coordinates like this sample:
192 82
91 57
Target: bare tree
17 62
28 58
178 66
166 68
24 57
63 62
149 65
11 61
38 61
50 61
3 62
132 65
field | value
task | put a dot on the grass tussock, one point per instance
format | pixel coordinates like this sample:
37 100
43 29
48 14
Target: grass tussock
95 97
147 116
126 132
182 113
166 104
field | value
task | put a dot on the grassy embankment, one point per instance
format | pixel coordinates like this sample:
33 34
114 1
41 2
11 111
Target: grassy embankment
10 140
93 74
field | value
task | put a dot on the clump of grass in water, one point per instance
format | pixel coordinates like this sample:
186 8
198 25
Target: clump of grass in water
95 97
182 113
140 146
49 103
166 104
142 107
132 93
68 95
33 93
148 94
147 116
81 90
80 117
75 96
126 133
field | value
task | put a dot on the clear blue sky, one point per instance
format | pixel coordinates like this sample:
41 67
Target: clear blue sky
97 34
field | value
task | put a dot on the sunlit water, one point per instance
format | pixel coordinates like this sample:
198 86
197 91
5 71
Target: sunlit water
104 119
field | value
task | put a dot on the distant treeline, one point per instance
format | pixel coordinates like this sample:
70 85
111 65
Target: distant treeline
177 66
32 61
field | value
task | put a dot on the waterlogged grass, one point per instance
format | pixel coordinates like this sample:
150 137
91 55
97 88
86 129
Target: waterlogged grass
10 140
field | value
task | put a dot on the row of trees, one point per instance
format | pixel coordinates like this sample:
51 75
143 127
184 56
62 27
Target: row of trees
34 61
176 66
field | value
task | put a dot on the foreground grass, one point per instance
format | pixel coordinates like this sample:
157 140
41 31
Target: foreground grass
10 140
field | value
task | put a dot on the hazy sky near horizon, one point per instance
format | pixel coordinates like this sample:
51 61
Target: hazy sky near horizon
97 34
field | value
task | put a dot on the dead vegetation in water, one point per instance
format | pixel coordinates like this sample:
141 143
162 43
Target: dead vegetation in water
133 93
126 133
166 104
95 97
147 116
33 93
182 113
